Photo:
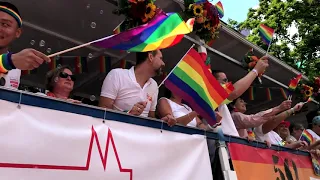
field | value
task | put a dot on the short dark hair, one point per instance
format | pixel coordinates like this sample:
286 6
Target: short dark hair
231 104
142 56
51 75
216 72
295 126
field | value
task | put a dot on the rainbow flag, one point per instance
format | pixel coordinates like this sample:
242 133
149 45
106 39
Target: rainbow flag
80 65
294 82
163 31
251 93
199 1
306 136
269 97
105 64
119 28
266 33
196 85
284 93
53 63
228 87
220 9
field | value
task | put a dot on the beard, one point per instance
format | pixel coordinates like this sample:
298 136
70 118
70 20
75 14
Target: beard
159 71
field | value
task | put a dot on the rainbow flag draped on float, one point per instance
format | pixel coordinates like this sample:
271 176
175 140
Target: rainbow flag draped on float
163 31
193 82
266 33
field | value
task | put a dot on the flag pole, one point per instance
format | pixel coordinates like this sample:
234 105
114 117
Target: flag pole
175 67
78 47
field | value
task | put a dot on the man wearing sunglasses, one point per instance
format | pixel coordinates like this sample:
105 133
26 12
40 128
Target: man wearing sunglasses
12 64
240 87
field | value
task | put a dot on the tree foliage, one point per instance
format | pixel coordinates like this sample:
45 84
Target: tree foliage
300 48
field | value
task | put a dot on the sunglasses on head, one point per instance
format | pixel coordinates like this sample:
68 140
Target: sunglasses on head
65 75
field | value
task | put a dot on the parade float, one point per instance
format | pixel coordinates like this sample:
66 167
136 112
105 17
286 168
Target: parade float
46 138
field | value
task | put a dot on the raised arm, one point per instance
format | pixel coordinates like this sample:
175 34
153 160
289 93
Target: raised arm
244 83
270 125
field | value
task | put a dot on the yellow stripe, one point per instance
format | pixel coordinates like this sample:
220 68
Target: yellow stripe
4 7
198 79
2 69
182 28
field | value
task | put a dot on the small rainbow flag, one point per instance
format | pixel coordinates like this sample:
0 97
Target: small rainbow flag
294 82
196 85
228 87
163 31
266 33
220 9
306 136
284 93
119 28
80 64
123 63
251 93
53 63
199 1
269 97
105 64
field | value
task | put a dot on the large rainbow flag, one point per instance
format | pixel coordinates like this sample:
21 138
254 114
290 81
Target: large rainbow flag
163 31
266 33
307 137
193 82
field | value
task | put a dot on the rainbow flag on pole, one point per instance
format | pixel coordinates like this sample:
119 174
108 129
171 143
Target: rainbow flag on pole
220 9
194 83
306 136
294 82
266 33
163 31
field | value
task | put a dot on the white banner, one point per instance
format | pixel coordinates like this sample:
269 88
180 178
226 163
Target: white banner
44 144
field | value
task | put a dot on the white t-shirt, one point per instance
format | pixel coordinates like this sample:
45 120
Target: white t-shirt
122 86
181 110
313 134
271 136
227 123
13 78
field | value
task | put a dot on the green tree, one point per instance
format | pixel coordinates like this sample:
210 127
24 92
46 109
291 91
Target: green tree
300 49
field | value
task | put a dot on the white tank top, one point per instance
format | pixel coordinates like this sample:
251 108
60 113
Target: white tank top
181 110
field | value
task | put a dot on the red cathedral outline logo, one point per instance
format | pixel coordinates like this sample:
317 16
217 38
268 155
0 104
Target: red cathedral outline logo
104 158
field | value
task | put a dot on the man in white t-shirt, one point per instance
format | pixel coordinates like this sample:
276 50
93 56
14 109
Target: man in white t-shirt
315 129
134 91
240 87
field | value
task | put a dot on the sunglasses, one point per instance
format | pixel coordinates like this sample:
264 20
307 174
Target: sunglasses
65 75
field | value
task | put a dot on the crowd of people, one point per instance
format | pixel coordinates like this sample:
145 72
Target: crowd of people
134 91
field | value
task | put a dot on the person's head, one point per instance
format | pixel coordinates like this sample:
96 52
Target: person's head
238 105
168 94
296 130
153 59
220 76
283 129
10 24
60 79
316 125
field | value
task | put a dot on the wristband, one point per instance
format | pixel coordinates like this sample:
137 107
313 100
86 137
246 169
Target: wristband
255 71
6 63
293 111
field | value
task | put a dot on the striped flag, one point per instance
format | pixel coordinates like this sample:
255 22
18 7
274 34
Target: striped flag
194 83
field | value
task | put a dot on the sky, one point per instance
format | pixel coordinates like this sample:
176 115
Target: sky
236 9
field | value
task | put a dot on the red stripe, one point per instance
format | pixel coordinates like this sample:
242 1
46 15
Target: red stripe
240 152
